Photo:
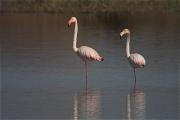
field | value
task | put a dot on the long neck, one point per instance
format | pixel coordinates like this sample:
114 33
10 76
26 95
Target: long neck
75 37
127 45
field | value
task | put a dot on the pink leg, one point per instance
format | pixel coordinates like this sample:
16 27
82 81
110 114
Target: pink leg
86 73
135 76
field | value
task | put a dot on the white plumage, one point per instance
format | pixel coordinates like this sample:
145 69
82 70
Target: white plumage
88 54
136 60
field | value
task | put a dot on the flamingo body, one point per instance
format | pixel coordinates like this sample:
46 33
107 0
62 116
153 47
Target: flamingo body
136 60
88 54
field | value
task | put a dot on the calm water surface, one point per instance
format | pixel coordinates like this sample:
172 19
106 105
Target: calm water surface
42 78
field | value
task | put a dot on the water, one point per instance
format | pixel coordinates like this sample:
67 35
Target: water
42 78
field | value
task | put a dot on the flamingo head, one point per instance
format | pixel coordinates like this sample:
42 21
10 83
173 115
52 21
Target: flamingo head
72 20
124 32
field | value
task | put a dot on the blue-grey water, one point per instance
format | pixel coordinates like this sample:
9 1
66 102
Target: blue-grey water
42 78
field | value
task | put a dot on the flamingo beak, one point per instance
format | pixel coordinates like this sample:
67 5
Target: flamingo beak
121 34
69 23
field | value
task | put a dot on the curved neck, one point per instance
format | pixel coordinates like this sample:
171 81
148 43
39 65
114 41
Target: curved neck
75 37
127 45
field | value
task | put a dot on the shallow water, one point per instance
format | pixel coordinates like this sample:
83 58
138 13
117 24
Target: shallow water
42 78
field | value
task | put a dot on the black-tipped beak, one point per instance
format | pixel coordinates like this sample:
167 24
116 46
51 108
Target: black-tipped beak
120 37
69 23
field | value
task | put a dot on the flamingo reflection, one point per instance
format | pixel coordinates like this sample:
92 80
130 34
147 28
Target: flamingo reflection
87 105
136 104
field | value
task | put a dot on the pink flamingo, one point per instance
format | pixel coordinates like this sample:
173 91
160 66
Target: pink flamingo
84 52
136 60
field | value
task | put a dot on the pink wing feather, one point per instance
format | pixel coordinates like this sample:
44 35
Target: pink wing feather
87 53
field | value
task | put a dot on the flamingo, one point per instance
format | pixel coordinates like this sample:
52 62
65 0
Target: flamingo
136 60
84 52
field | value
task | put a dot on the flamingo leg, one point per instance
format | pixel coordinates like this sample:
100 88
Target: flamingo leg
135 76
86 74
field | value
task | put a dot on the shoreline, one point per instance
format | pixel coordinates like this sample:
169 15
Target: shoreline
88 6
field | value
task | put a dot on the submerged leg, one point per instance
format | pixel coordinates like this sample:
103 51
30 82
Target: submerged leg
135 76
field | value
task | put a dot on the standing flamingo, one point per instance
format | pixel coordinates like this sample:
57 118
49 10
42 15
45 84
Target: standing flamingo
84 52
136 60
